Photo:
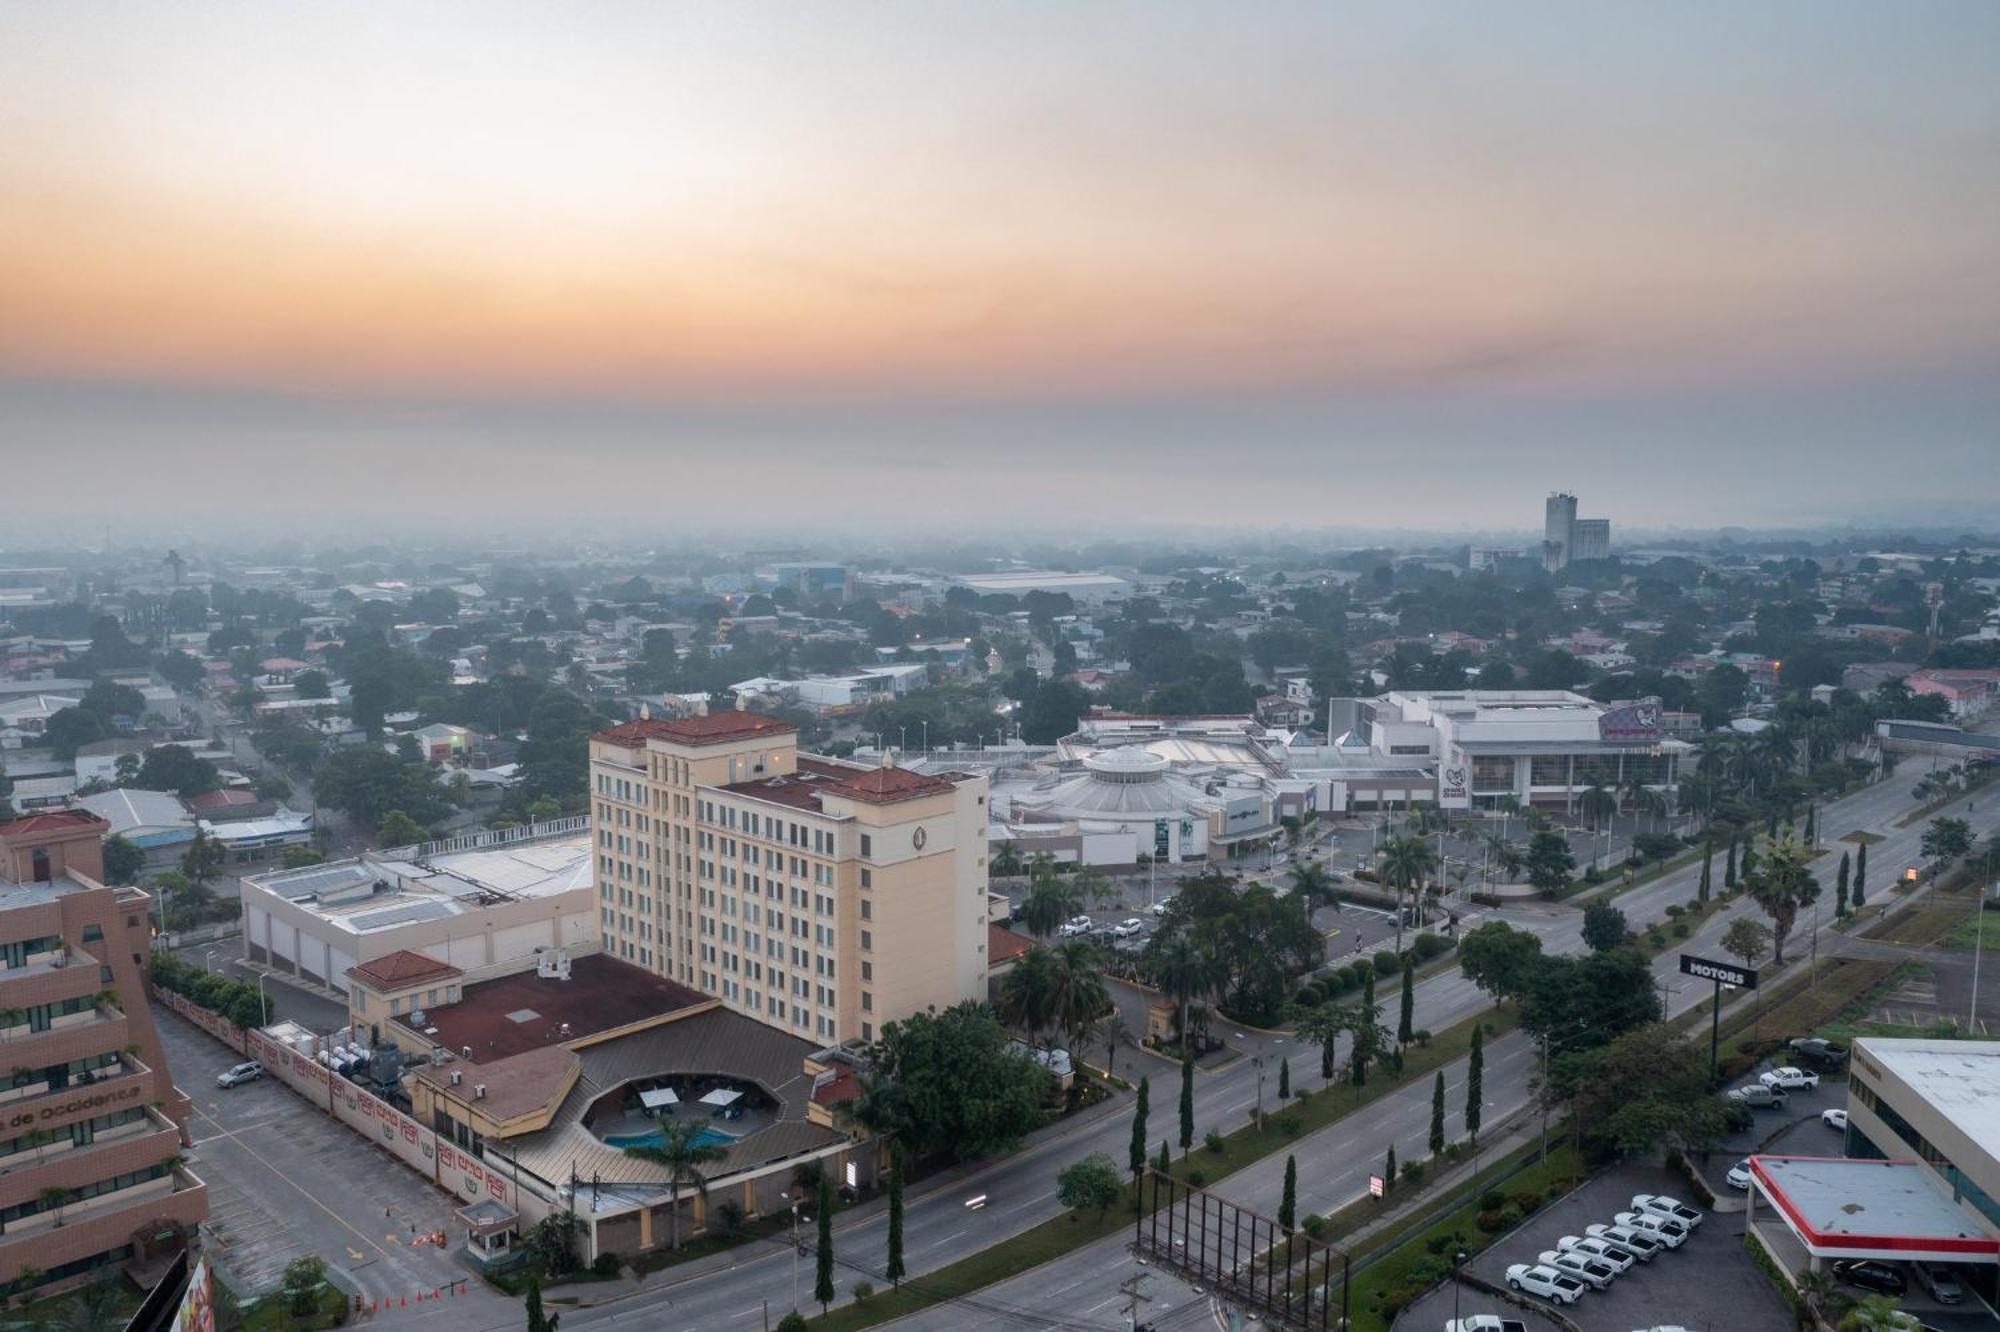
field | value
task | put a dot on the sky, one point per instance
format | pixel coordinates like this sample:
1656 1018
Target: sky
711 266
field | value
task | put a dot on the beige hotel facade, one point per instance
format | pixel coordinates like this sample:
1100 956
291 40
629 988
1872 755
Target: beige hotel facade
822 897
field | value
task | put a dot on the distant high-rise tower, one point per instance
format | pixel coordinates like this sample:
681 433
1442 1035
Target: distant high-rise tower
1566 537
1558 517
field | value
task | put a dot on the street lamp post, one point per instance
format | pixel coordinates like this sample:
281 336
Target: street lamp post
1258 1060
1457 1266
794 1202
263 999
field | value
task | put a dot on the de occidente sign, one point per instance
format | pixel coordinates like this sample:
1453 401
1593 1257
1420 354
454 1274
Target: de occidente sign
76 1103
1727 972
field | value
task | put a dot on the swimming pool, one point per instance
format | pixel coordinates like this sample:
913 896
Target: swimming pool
704 1137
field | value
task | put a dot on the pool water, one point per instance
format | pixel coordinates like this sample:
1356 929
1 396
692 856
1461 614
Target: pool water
704 1137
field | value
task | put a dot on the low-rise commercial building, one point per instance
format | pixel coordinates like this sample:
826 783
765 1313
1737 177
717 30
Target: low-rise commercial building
474 902
90 1169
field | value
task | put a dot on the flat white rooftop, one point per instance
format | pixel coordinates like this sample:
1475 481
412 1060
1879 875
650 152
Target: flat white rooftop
1959 1079
1842 1208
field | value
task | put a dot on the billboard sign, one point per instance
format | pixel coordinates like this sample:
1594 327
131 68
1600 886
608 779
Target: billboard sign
1454 781
1634 724
1729 973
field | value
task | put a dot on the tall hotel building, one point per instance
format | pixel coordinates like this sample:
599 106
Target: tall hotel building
90 1152
821 897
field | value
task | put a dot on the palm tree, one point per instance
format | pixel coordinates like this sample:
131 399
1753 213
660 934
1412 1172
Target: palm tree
1653 803
1077 995
1006 861
1113 1031
1595 803
1782 884
1027 992
682 1155
1050 902
1405 861
1311 883
1186 971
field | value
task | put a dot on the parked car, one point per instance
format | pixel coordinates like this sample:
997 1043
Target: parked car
248 1071
1582 1266
1939 1280
1790 1078
1661 1205
1871 1275
1817 1050
1164 905
1670 1232
1074 926
1739 1175
1546 1282
1125 929
1759 1097
1485 1323
1597 1250
1834 1119
1640 1246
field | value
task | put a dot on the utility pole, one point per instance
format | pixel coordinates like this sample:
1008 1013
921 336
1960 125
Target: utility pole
1129 1288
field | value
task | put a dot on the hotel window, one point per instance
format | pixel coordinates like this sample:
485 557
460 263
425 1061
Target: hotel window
867 845
867 909
867 941
868 971
867 879
867 1002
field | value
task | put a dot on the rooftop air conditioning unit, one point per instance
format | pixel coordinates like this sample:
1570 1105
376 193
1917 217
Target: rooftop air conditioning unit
465 1051
479 1091
456 1077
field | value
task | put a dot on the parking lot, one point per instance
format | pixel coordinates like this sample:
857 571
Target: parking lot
1707 1285
285 1181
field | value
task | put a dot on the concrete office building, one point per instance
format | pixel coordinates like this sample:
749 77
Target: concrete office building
475 902
1565 537
89 1173
820 897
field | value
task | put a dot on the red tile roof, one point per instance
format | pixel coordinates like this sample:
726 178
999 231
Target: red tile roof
714 729
55 820
222 798
1003 945
395 970
886 786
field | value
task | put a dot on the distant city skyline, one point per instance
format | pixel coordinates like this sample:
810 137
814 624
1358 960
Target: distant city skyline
978 266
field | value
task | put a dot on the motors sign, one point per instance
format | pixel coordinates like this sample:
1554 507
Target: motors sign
1728 973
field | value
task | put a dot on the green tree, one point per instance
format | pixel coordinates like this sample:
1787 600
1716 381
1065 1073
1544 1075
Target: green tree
893 1269
681 1153
1840 888
1707 871
178 769
1781 887
1284 1079
1603 927
1475 1081
1437 1114
1139 1112
1091 1184
1644 1092
1288 1202
399 829
304 1279
1550 862
1322 1026
1500 959
122 860
1945 840
203 859
71 729
1389 1172
299 857
1405 862
1187 1103
1860 875
538 1321
823 1253
1729 868
1746 940
951 1085
1406 1011
1051 899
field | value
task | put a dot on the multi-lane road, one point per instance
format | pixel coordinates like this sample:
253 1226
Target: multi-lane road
1080 1290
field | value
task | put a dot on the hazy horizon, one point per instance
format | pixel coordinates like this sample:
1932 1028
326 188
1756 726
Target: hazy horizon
968 267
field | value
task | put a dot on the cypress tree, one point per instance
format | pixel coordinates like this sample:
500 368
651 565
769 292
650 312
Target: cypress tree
1187 1103
1409 1007
1749 865
1475 1077
1368 992
1288 1205
1437 1114
1389 1173
894 1268
1729 869
1860 873
1812 825
1166 1162
1840 888
823 1258
1707 871
1284 1079
538 1321
1139 1113
1326 1062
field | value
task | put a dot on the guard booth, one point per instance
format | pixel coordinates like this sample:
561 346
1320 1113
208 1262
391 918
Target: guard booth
491 1228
